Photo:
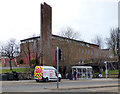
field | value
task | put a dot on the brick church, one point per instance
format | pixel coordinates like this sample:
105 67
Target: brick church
42 48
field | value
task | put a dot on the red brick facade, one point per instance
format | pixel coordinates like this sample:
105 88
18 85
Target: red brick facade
74 52
5 62
46 31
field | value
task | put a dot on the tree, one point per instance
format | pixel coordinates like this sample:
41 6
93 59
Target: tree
113 41
36 50
26 50
68 45
98 40
30 49
10 50
69 33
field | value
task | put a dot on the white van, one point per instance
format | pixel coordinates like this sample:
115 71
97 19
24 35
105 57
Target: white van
46 73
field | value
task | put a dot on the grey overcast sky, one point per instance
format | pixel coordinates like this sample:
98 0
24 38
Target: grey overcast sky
20 19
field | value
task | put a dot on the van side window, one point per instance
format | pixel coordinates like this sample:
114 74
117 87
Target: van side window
48 69
55 71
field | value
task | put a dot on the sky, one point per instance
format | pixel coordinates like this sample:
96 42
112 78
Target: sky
20 19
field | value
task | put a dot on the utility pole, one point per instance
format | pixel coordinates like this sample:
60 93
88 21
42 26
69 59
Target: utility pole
106 71
119 38
57 66
119 51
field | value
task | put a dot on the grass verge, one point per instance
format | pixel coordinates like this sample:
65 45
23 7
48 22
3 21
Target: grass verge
19 70
112 72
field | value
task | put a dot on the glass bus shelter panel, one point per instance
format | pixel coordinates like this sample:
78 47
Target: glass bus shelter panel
82 72
89 72
79 74
86 74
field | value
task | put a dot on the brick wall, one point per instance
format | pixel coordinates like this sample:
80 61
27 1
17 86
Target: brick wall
46 30
73 52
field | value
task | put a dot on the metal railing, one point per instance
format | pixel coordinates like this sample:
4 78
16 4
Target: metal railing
104 75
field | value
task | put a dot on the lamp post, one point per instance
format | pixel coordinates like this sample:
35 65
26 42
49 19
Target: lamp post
106 71
119 38
57 65
119 51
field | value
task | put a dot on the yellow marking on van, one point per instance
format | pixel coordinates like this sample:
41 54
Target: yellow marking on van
38 72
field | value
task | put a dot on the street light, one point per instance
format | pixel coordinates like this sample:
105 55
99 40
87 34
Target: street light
119 51
106 71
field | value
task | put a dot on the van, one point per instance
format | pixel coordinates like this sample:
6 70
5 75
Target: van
46 73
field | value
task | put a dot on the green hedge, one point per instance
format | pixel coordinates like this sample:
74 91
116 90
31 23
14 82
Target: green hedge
19 70
112 72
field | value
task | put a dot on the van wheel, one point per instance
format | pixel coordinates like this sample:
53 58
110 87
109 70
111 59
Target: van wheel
37 80
46 79
59 79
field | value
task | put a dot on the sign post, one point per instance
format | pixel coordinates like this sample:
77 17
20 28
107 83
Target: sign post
57 66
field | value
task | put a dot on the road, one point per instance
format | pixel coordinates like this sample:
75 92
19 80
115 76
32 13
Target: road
110 85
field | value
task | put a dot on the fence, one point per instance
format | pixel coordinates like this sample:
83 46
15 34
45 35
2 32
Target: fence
26 76
21 76
30 76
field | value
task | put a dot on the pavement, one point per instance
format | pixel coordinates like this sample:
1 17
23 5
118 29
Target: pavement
89 86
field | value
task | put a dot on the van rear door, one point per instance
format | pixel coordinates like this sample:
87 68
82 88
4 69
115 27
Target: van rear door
38 73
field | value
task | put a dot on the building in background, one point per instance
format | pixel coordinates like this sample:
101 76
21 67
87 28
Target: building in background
42 48
4 61
74 52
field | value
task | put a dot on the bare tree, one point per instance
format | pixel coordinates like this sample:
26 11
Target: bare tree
98 40
68 44
36 50
10 50
69 33
30 49
26 50
113 41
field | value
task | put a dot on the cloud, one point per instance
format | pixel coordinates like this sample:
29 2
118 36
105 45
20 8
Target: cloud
21 18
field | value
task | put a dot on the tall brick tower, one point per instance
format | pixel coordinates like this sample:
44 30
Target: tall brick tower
45 37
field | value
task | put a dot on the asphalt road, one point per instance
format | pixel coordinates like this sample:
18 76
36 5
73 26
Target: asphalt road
64 85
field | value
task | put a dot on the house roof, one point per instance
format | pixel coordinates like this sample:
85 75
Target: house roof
61 38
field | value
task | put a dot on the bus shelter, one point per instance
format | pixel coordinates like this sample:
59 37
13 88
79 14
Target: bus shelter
82 72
